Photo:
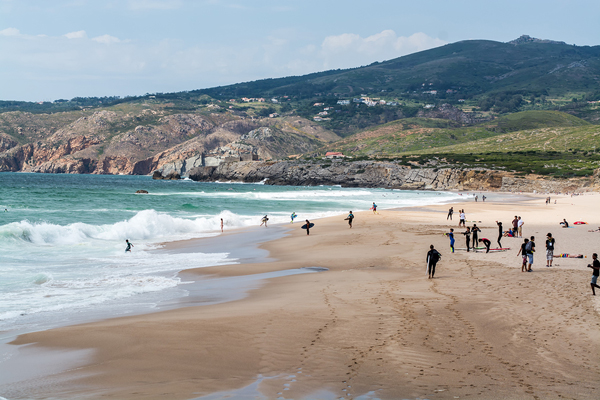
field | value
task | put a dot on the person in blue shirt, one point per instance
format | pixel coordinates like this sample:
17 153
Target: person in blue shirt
451 236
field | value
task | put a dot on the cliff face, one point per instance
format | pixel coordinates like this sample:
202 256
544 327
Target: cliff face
384 175
139 140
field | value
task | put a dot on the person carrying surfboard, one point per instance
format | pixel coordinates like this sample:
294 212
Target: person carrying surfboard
433 256
307 227
374 208
264 221
350 217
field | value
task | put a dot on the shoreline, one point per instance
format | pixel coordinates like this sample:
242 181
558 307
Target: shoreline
321 304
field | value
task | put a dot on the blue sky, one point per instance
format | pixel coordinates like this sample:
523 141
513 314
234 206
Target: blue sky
52 49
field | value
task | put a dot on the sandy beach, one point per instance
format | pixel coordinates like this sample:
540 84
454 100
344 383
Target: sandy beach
372 325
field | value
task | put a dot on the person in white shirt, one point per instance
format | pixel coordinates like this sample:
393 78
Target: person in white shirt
520 224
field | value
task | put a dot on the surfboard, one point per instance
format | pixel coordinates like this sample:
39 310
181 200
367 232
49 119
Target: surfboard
304 226
346 219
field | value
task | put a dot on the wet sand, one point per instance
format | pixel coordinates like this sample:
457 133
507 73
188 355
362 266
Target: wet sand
373 325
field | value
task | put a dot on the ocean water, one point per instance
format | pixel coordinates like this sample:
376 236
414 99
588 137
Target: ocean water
62 237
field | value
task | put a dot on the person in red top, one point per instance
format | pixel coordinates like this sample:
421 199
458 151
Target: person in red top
487 244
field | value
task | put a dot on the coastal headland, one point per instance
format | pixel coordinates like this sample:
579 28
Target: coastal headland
372 325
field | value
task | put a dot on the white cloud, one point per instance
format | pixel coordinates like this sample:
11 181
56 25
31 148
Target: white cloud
76 35
349 49
106 39
10 32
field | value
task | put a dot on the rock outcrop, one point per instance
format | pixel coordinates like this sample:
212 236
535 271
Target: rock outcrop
384 175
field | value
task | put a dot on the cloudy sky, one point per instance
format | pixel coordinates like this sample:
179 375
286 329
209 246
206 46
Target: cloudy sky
52 49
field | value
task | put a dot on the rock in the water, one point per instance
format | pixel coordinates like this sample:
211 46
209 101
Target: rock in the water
142 191
173 175
157 175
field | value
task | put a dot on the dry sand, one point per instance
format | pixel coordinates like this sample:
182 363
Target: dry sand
371 324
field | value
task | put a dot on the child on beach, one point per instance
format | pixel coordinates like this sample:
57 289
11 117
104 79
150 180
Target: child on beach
374 208
451 236
595 265
523 253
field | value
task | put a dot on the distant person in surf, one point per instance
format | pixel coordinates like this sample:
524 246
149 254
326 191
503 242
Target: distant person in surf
221 225
264 221
129 246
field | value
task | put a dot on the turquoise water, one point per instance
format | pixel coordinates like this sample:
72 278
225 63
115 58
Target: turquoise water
62 237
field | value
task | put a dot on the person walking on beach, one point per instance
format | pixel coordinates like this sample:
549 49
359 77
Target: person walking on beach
129 246
550 243
221 225
374 208
520 224
595 265
486 242
530 248
433 256
467 234
462 219
292 217
475 231
523 253
451 236
264 221
350 217
500 233
307 227
450 212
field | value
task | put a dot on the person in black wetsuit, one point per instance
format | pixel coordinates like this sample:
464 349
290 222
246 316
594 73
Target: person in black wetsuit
500 233
450 212
595 265
129 246
307 227
475 231
468 237
487 244
433 256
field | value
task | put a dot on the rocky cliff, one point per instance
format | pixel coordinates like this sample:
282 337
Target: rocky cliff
142 138
385 175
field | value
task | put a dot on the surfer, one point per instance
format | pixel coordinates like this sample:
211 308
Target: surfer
450 212
129 246
500 233
292 217
487 244
468 237
350 217
264 221
595 265
307 227
374 208
433 256
451 236
221 225
475 231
